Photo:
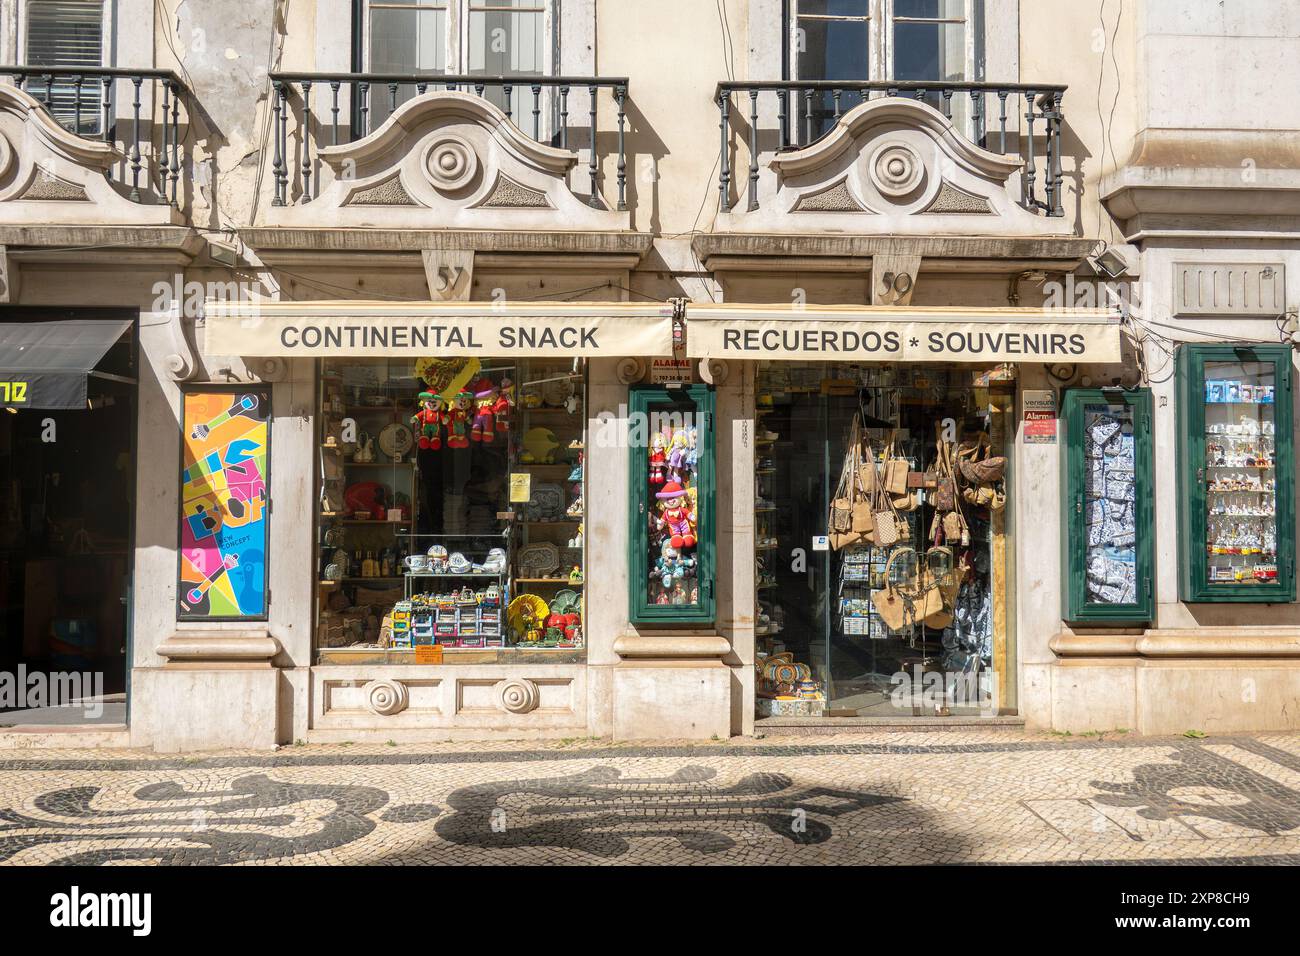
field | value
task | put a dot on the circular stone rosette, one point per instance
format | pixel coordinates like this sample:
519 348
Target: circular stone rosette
450 162
386 697
896 169
518 696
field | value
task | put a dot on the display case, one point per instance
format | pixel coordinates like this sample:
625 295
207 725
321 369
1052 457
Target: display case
671 495
1107 525
1236 467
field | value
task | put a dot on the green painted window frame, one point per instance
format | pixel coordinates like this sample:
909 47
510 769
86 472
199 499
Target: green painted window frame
1075 606
1194 586
642 400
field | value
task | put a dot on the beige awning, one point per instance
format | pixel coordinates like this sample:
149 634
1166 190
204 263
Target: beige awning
908 334
355 329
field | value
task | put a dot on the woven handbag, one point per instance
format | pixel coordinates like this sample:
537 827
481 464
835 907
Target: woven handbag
893 603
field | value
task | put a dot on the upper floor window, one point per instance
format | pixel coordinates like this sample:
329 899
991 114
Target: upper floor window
881 40
66 34
488 37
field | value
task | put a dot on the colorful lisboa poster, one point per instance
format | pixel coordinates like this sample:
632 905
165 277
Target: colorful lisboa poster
225 481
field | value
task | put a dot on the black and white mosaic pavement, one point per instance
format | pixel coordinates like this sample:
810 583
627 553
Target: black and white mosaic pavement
877 798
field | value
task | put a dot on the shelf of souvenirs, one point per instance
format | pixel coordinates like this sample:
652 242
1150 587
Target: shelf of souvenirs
767 544
1225 550
1242 514
1256 467
1226 436
567 582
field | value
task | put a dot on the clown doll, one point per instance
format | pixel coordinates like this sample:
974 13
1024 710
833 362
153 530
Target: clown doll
485 400
427 422
457 419
676 516
505 401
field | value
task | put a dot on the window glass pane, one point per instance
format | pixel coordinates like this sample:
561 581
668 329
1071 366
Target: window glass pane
506 36
834 8
404 41
930 9
832 49
929 51
675 512
829 50
451 509
1110 503
1241 486
67 33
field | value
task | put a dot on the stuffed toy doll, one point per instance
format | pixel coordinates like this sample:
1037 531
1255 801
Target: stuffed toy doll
486 394
505 401
657 460
676 516
676 456
427 422
457 418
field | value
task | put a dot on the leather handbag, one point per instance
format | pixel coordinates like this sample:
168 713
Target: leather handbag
977 467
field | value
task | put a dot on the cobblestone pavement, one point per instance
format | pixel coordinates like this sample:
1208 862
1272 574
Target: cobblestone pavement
954 797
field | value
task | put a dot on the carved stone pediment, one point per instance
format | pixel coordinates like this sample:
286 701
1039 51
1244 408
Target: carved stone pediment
890 166
447 160
51 176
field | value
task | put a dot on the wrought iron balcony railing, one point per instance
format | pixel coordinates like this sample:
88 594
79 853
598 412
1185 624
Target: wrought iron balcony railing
1011 118
334 108
136 111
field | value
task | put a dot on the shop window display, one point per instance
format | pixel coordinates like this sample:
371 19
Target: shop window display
1107 524
903 473
1236 508
671 474
451 508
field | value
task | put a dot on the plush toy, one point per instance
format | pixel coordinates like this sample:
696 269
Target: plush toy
457 418
657 460
676 455
505 401
676 517
427 422
485 401
539 446
672 565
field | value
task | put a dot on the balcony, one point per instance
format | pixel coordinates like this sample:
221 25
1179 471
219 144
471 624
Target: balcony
849 171
323 123
93 146
780 116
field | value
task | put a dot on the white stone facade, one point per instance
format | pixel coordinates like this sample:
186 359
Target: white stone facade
1189 170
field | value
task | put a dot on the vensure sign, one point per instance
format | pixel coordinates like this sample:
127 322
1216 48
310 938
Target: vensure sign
356 329
837 334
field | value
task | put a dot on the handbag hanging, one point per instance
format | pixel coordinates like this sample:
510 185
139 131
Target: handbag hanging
892 603
939 589
886 521
895 470
840 519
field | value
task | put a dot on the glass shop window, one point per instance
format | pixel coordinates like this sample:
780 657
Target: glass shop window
450 509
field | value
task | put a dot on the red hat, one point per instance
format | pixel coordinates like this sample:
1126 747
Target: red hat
671 490
482 388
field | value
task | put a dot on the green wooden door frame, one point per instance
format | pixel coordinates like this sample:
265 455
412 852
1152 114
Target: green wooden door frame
1076 608
642 402
1194 585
